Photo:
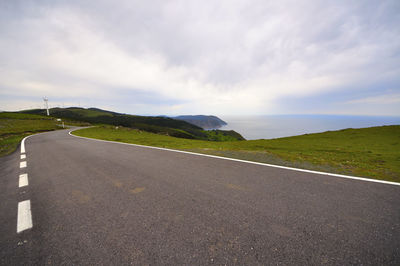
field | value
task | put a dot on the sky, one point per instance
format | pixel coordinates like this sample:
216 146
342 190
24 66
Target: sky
229 57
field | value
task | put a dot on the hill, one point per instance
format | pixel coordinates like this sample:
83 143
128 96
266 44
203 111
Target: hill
203 121
159 125
369 152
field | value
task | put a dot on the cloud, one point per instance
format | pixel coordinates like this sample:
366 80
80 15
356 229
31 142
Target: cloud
380 99
171 57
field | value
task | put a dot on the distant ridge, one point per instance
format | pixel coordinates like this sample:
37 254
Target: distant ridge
159 125
203 121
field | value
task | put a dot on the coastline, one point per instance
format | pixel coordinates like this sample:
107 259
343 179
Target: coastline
278 126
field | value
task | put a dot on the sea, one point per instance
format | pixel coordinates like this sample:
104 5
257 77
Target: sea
277 126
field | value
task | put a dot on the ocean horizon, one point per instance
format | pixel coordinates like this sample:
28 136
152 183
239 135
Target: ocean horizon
278 126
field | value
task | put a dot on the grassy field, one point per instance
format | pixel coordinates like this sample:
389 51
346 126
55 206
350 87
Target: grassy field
15 126
369 152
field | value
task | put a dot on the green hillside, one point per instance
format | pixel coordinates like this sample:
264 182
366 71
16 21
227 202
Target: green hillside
369 152
160 125
15 126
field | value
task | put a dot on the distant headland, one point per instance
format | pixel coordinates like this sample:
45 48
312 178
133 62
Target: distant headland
203 121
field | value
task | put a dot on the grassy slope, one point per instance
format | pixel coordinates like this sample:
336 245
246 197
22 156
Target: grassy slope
90 112
15 126
369 152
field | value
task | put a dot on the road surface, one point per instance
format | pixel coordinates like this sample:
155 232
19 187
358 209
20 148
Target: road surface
87 202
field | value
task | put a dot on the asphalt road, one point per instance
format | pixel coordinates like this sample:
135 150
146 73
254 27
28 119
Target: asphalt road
112 204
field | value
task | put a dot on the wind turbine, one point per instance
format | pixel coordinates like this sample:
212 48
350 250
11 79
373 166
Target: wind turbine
46 102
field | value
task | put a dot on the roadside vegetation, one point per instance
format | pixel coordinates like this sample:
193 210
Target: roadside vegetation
368 152
15 126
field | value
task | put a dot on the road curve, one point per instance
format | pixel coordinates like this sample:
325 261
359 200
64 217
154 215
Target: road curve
104 203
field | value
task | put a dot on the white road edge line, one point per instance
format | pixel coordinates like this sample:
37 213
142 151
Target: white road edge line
23 156
23 145
23 141
24 221
22 164
244 161
23 180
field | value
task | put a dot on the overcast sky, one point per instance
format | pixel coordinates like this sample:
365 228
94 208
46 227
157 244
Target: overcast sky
202 57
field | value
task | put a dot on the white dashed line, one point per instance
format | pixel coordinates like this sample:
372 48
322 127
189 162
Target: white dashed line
23 180
22 164
24 219
24 216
